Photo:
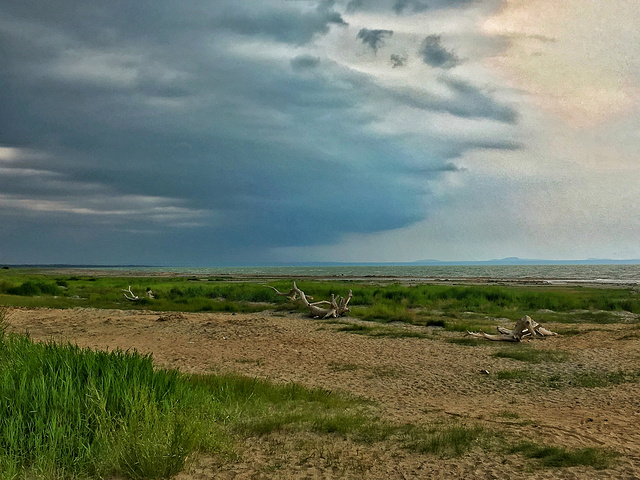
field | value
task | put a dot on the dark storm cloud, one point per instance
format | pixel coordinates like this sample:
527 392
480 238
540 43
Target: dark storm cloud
374 38
433 53
146 134
415 6
304 62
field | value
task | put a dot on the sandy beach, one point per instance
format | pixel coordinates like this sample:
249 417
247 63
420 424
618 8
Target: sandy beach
417 380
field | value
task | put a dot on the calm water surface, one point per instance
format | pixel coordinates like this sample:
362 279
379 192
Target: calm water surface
614 274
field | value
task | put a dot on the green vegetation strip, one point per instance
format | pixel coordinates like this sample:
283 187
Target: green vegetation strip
447 306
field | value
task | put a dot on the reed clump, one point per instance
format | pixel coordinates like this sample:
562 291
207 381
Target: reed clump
69 412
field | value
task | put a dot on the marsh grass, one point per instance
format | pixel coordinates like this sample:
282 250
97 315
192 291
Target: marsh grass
552 456
344 367
413 304
603 379
86 414
508 414
449 439
465 325
468 341
384 312
380 331
3 321
595 317
592 379
515 374
524 353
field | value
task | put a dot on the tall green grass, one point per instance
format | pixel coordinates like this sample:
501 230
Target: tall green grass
67 412
77 412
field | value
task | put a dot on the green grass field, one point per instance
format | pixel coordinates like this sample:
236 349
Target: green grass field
437 305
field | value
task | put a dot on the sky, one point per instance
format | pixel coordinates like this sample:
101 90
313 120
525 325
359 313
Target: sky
242 132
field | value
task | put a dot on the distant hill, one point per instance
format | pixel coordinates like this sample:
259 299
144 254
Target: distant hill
527 261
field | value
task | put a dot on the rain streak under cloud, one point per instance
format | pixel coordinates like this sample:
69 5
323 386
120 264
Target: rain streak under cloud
240 132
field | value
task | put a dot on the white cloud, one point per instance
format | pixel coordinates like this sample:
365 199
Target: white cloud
578 59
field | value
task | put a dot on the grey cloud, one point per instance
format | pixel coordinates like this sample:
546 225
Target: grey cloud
464 100
476 102
374 38
429 170
288 25
404 6
398 60
304 62
414 6
354 5
451 3
433 53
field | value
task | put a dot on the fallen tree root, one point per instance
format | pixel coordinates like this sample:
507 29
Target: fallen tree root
525 327
337 307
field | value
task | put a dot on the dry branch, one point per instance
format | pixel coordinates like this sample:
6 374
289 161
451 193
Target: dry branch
129 295
291 294
525 327
337 307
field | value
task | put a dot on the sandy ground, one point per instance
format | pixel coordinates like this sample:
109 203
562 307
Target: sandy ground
418 380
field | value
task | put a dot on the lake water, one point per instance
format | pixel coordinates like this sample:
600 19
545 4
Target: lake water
605 274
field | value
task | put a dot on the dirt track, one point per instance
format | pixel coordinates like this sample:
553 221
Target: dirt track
418 380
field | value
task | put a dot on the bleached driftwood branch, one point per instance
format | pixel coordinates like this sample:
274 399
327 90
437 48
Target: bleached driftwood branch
337 307
291 294
525 327
129 295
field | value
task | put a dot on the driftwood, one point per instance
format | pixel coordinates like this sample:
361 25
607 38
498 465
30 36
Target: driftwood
336 307
129 295
526 327
291 294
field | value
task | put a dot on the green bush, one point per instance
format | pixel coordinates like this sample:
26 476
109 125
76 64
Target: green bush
31 288
83 413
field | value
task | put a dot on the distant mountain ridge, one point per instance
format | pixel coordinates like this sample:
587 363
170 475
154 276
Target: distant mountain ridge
527 261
